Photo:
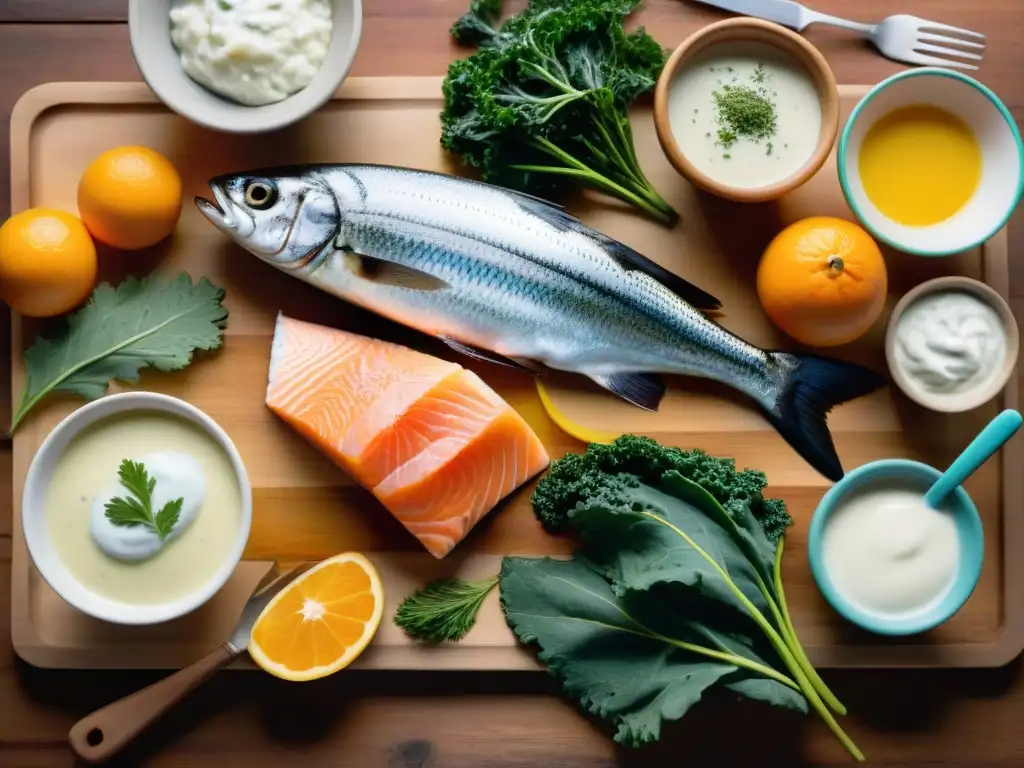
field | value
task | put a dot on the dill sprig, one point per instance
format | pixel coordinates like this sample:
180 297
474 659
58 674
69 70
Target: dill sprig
444 609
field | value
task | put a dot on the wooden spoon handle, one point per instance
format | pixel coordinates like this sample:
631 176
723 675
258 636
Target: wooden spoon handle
99 736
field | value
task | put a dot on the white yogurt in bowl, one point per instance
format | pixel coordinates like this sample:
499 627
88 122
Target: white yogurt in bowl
254 52
179 486
884 559
951 344
745 83
890 553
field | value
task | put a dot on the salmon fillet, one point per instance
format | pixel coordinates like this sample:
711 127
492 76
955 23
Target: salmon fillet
435 444
325 382
441 493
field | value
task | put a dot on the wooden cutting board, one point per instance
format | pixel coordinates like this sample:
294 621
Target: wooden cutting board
305 508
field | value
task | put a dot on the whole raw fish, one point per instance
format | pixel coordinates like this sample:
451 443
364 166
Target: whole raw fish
510 278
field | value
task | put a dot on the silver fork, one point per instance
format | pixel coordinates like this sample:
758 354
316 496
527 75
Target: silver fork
901 37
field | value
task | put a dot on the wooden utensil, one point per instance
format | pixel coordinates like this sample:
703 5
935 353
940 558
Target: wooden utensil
99 736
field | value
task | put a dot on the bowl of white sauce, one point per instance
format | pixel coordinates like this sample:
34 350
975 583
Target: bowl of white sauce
244 66
952 344
884 559
137 508
746 109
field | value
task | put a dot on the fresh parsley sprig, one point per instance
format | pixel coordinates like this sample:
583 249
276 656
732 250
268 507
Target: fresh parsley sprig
137 508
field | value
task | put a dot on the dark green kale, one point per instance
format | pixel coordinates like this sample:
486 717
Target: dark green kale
542 106
606 470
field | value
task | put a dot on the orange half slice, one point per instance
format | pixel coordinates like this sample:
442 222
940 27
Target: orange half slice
321 622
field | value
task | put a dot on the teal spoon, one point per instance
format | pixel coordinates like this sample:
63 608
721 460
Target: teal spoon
989 440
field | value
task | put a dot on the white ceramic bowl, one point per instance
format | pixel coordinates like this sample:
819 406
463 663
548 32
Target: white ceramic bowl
33 511
1002 176
149 28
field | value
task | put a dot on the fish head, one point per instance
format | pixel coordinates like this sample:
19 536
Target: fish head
283 219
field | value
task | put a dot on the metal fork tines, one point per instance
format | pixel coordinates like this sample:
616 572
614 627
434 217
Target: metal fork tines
920 41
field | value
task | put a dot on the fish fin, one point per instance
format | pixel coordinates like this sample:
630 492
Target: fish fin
491 357
387 272
634 261
625 257
813 387
643 390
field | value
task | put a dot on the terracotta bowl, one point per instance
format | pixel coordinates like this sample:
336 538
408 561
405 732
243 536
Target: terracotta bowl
750 30
972 398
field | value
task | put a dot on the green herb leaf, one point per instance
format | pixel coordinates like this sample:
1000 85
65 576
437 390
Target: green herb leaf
443 610
127 512
167 517
153 322
137 509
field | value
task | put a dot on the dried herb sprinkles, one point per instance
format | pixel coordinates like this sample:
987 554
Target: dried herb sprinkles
745 112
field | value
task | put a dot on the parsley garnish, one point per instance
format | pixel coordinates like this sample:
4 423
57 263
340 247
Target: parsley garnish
137 508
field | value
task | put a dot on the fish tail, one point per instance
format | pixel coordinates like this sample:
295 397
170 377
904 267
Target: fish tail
811 388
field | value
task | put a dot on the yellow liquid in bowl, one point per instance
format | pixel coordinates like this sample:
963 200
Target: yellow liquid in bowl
920 165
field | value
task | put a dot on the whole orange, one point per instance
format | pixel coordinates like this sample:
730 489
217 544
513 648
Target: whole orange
130 197
822 281
47 262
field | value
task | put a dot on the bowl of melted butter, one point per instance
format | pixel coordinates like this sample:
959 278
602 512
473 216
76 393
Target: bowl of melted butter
931 162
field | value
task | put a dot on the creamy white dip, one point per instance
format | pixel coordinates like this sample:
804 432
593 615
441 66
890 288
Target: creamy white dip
107 561
177 476
696 120
888 552
254 52
949 342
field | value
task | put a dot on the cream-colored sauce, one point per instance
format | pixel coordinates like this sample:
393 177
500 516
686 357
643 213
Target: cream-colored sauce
888 552
950 342
88 468
746 163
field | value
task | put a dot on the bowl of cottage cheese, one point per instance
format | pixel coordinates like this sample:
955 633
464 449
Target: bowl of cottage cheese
244 66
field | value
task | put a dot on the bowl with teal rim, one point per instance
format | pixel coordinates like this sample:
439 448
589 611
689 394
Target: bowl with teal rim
902 473
1002 174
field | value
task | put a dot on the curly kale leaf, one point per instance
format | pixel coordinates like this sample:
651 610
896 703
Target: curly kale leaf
606 470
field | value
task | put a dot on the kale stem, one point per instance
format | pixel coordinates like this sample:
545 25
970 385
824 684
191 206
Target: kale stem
640 185
541 73
604 184
786 625
512 98
788 634
616 156
729 658
626 137
645 198
773 637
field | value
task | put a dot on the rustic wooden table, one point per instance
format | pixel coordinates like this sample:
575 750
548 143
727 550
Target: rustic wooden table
364 720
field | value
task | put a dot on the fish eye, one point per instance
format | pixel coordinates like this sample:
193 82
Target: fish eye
260 194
